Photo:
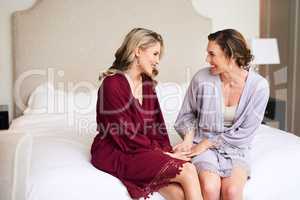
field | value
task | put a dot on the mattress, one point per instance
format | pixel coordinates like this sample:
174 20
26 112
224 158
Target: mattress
60 163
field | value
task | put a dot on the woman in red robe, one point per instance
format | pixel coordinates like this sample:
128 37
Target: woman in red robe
132 143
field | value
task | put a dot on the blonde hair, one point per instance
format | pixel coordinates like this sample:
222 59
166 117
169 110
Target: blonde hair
124 56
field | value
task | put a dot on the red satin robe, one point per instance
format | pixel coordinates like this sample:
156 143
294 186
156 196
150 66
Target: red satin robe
132 138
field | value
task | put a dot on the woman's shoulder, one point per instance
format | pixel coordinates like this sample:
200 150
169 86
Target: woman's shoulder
113 86
203 77
258 80
114 82
204 74
116 78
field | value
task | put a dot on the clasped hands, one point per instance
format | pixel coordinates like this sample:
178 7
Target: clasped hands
186 150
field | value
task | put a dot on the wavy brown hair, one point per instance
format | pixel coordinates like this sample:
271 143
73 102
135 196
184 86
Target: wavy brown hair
234 45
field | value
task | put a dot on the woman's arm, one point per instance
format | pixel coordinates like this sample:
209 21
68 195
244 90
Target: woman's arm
185 123
117 117
160 135
186 144
243 135
200 147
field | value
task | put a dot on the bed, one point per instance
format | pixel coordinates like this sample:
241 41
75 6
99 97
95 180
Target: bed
53 150
60 46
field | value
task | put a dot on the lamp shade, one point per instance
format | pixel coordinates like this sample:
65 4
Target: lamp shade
265 51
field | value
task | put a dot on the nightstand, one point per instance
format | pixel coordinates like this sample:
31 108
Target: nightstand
271 122
4 124
275 113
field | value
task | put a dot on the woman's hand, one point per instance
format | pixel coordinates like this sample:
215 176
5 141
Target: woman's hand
179 155
184 146
200 148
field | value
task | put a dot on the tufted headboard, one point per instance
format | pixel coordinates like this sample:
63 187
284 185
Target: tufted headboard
69 42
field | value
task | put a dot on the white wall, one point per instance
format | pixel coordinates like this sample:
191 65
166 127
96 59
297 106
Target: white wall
242 15
7 7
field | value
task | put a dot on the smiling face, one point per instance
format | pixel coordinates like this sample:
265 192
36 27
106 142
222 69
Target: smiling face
148 58
217 59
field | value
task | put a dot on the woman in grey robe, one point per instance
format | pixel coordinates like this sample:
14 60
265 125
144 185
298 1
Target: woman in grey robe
223 107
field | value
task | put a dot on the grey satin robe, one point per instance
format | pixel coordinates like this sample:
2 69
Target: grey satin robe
201 112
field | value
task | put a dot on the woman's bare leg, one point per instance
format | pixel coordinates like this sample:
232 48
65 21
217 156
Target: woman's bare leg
233 186
188 179
210 185
173 191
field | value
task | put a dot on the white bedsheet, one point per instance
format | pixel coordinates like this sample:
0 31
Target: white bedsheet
60 167
61 170
275 166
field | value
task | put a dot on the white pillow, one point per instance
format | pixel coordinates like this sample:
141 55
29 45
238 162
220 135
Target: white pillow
45 99
38 99
170 97
82 102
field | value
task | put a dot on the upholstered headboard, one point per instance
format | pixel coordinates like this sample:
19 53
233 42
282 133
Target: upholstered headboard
70 41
